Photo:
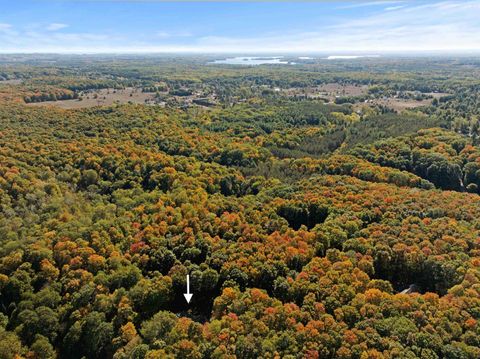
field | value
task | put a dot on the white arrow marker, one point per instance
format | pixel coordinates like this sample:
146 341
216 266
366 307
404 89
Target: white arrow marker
188 295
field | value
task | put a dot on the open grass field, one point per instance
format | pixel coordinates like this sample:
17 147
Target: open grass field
102 97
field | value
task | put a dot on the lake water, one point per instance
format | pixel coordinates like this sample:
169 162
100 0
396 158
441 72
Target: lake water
279 60
249 60
349 57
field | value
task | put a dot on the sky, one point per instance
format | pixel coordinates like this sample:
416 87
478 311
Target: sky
248 27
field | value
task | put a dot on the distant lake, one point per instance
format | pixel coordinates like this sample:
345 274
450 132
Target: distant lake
249 60
279 60
349 57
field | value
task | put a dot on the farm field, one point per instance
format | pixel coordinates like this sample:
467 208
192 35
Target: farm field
102 97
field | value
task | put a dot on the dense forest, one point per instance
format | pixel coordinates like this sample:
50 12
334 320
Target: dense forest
310 226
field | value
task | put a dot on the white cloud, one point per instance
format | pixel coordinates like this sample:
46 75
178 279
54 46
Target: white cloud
45 41
4 27
370 3
168 35
56 26
392 8
439 26
163 35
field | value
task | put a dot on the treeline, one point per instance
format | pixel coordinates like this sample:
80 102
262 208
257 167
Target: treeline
51 97
446 159
342 132
157 88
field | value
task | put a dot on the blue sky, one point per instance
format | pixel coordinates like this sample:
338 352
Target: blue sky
71 26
